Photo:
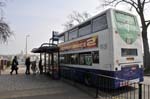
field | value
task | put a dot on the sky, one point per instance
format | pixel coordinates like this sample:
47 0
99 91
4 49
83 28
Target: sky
38 18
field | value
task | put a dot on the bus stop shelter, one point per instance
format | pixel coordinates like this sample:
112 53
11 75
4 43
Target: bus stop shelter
50 60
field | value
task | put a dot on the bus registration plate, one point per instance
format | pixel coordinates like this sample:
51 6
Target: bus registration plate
130 59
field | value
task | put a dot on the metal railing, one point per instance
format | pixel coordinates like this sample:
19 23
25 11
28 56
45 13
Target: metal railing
104 85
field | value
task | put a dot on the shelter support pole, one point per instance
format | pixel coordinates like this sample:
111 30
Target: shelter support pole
49 62
59 69
52 62
45 61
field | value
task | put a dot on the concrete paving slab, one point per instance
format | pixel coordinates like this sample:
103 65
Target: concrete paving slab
38 86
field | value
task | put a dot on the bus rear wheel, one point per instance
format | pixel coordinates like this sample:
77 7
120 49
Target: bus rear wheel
87 79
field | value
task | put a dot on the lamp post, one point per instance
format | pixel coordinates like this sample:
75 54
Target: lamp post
27 44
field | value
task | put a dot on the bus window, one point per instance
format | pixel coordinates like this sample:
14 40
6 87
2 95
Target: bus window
66 36
61 39
85 29
85 59
82 59
73 34
74 58
129 52
88 59
99 23
95 56
62 59
67 59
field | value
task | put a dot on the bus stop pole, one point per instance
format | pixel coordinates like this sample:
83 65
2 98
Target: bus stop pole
45 62
40 56
48 62
59 71
52 61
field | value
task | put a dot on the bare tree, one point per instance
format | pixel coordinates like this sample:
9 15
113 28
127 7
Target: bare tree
139 6
76 18
5 31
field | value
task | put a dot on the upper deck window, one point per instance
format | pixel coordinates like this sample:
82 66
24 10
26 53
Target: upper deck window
99 23
73 34
66 36
61 39
85 29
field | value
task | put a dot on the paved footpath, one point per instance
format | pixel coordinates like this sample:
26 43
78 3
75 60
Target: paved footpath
38 86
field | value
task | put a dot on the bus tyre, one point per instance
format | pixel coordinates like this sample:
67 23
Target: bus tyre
87 79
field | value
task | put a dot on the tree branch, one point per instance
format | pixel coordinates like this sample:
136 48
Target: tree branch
148 23
107 3
117 3
5 31
143 3
147 1
2 4
132 3
76 18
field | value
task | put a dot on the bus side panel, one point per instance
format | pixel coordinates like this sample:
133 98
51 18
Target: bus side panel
105 51
89 76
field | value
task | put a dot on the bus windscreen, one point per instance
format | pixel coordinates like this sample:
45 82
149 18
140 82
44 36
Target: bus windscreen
127 27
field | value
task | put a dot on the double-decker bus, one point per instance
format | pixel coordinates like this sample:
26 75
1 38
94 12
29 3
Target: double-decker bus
108 44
